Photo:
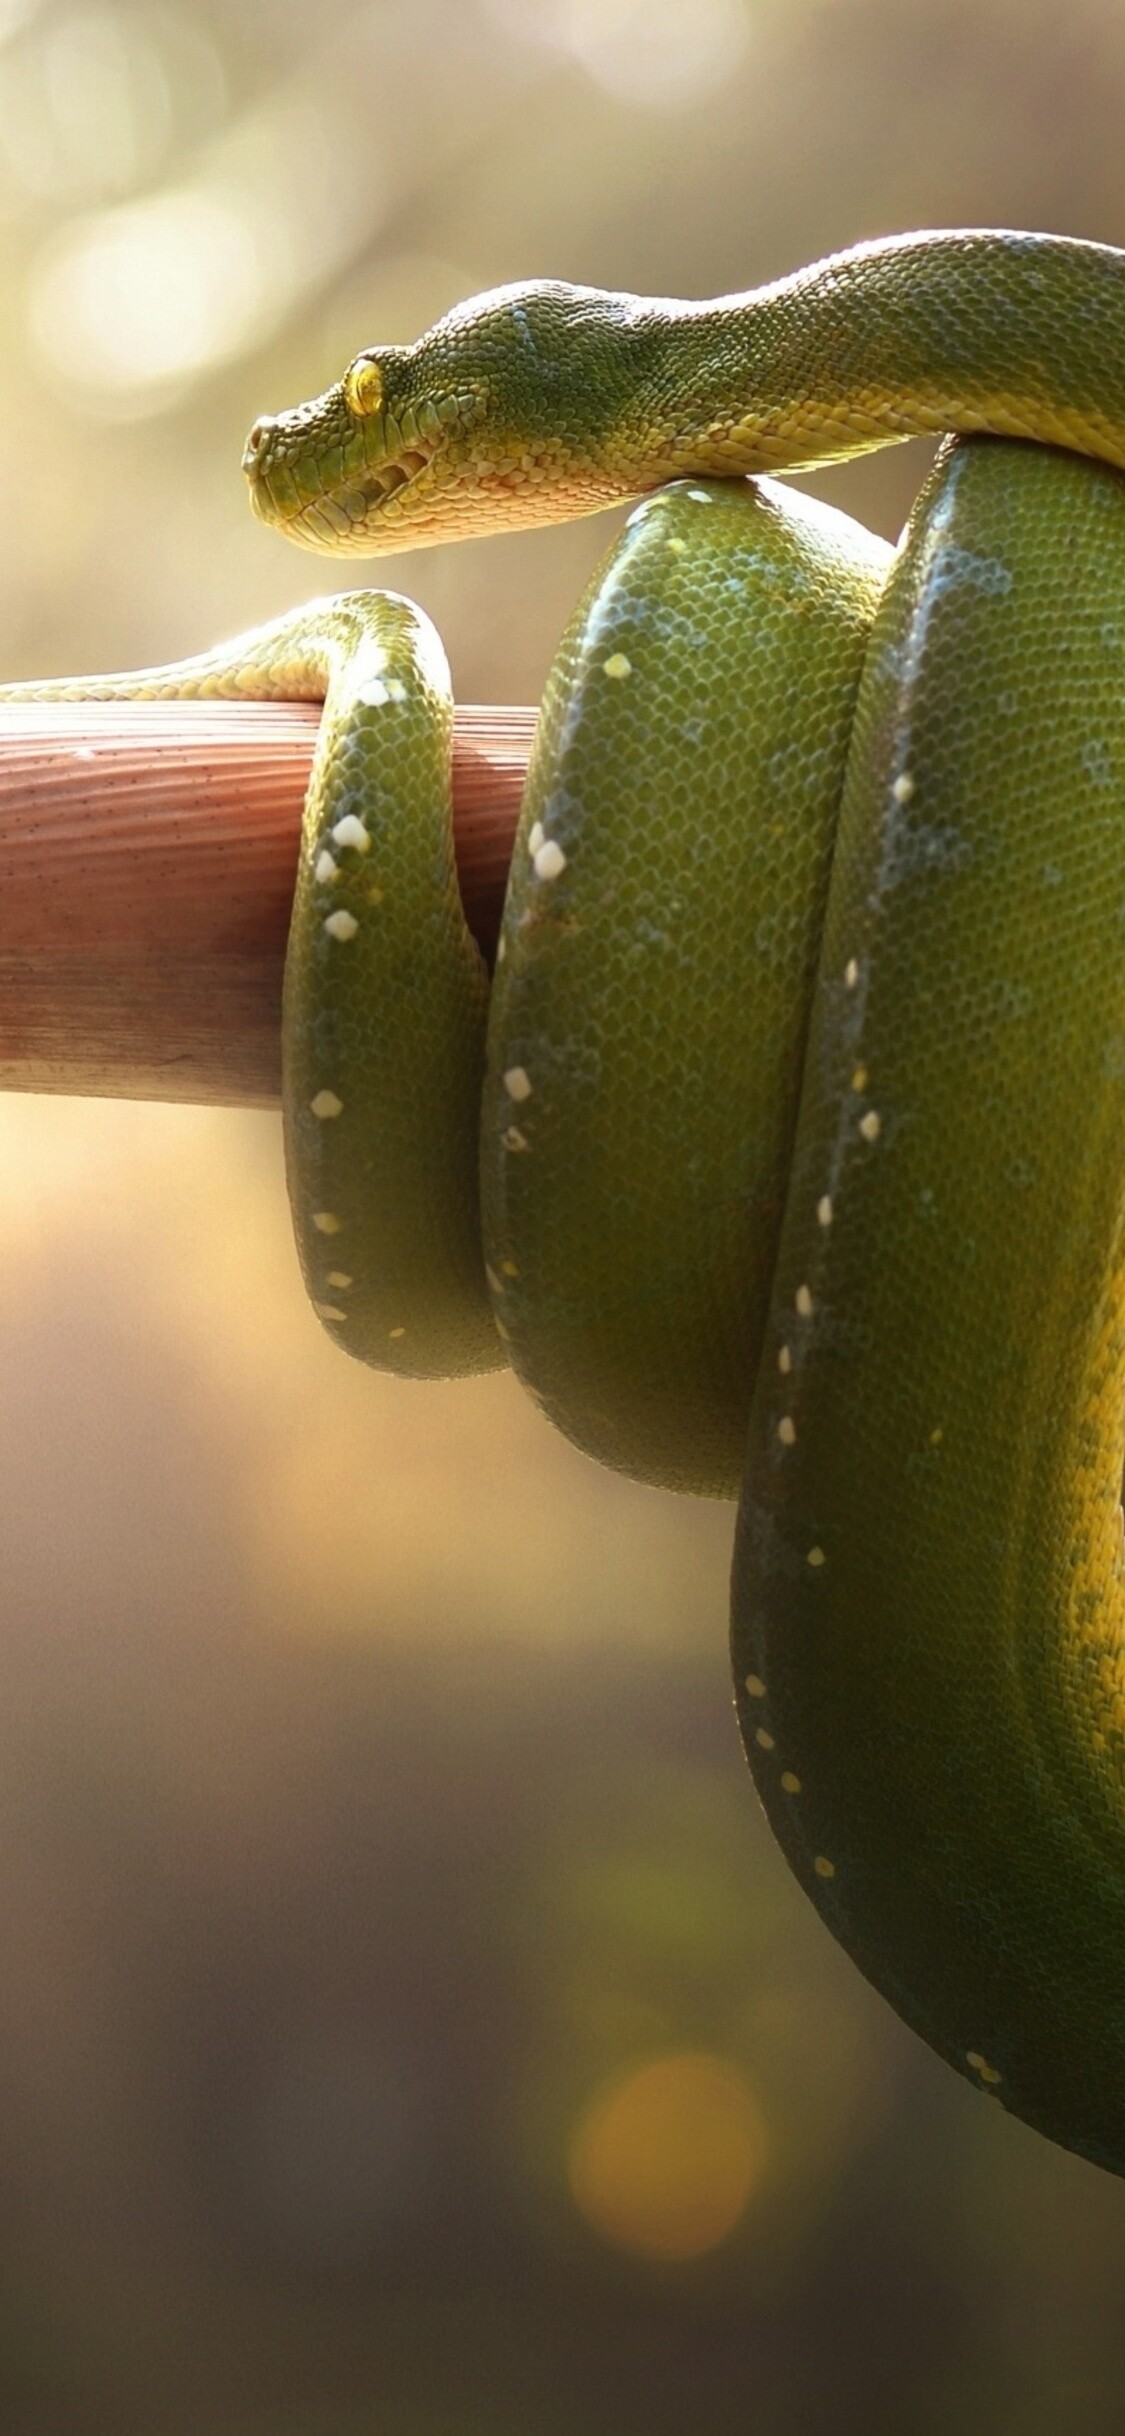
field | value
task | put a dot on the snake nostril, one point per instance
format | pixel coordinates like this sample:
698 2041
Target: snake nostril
256 441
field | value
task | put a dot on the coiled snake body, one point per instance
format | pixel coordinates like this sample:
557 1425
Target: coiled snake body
802 1150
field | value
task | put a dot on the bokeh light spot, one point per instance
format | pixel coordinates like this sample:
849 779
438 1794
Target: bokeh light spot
97 96
665 2161
148 293
655 53
14 15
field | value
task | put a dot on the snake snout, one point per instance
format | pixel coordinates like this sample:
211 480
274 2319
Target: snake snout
257 442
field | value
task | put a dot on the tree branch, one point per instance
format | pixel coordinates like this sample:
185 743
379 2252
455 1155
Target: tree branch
147 854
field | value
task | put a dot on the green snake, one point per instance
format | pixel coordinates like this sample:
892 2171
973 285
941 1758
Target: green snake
802 1139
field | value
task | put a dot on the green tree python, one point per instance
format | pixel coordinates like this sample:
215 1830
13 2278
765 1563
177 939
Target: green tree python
801 1150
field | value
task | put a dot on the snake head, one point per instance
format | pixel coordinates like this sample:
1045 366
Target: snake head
506 412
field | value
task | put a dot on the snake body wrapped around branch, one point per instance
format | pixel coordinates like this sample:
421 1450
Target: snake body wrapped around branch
802 1138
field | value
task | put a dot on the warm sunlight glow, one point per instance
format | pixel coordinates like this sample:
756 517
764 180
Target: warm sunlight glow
129 306
149 293
665 2162
652 52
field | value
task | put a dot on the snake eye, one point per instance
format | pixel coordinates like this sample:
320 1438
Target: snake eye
363 386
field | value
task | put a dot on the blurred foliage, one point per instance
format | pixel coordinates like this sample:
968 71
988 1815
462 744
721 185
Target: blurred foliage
390 1935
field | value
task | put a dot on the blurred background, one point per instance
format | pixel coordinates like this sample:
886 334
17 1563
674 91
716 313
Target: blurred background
406 2025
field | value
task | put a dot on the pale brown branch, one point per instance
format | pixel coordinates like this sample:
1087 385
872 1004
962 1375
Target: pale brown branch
147 854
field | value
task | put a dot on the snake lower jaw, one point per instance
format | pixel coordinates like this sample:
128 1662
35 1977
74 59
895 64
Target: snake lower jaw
344 519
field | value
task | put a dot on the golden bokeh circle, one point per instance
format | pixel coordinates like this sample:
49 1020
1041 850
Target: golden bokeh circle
664 2161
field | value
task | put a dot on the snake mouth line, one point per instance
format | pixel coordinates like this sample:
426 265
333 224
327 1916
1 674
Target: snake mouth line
380 483
332 518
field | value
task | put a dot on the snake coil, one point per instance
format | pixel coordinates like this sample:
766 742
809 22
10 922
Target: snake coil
802 1136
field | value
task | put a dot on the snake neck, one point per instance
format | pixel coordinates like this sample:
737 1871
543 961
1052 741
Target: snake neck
967 331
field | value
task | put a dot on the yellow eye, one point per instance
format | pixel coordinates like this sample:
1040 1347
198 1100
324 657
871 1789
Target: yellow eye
363 387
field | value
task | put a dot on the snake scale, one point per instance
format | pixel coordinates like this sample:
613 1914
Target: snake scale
802 1140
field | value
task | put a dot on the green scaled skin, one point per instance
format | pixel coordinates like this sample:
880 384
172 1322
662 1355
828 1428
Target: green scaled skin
383 1021
663 919
928 1612
918 1296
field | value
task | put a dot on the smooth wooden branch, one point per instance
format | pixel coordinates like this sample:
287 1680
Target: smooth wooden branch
147 856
